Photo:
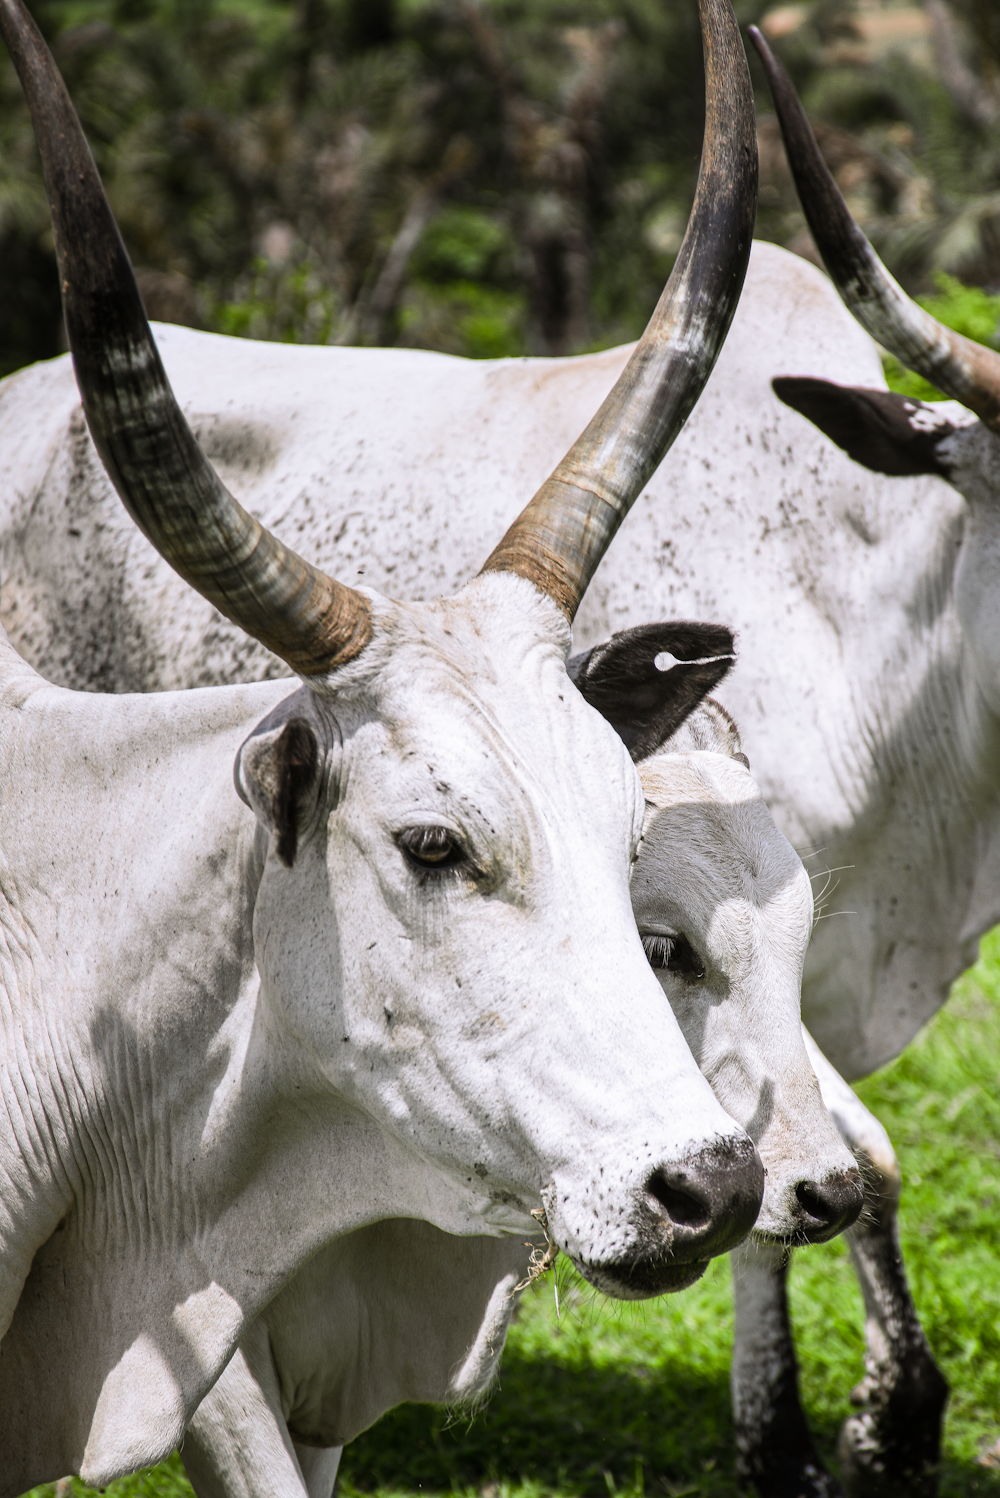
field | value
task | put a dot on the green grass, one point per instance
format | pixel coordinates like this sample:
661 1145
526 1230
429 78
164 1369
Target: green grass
629 1399
969 310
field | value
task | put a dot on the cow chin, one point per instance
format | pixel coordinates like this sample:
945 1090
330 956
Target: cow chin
642 1281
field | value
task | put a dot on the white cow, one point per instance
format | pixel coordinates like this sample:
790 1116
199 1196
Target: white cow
842 588
398 973
935 738
864 702
724 907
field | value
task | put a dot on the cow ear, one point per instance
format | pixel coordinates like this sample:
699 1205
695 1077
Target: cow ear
644 702
888 433
710 727
277 773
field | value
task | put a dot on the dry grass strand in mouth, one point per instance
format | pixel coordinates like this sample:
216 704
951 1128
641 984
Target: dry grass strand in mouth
542 1260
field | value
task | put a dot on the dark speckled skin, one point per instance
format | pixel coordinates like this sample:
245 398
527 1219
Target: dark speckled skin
163 478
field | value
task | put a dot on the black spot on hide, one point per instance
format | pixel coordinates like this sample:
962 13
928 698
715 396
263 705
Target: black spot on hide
885 432
642 703
291 771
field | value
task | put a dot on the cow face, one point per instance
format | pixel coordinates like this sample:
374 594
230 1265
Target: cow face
725 910
724 907
443 928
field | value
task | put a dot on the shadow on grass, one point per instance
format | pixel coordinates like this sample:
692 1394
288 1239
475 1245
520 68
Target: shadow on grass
589 1431
580 1429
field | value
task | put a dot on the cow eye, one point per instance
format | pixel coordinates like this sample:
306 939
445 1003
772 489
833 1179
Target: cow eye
432 847
675 953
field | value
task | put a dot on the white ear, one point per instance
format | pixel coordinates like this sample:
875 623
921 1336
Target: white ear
280 771
709 727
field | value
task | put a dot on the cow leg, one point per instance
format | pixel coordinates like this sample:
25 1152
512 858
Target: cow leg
319 1468
775 1451
892 1445
237 1444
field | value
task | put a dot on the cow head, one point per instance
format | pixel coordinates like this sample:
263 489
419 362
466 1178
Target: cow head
451 942
443 928
893 434
725 909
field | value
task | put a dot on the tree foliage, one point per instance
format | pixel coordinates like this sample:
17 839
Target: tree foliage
486 177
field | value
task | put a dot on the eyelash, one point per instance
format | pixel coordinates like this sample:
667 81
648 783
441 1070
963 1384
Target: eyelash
675 954
419 845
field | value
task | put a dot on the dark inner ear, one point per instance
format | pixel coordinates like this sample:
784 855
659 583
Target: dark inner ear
885 432
643 704
290 773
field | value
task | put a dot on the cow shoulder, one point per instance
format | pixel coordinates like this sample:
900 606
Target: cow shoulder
646 681
885 432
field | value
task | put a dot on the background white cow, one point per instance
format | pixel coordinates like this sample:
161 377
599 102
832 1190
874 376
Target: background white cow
940 765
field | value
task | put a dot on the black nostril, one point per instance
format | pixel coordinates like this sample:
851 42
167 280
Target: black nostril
682 1207
828 1207
810 1199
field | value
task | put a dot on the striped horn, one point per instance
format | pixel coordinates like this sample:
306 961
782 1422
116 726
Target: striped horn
164 479
559 539
964 370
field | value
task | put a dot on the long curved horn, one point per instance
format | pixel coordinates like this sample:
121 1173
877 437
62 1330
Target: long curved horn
559 539
164 479
966 371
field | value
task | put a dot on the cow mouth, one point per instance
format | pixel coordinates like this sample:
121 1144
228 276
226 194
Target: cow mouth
624 1281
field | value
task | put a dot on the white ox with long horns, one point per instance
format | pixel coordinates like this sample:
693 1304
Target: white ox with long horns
395 970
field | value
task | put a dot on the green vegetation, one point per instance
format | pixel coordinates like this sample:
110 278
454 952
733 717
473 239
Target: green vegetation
969 310
485 177
614 1399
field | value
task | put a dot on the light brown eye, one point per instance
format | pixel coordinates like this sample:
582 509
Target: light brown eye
432 847
675 953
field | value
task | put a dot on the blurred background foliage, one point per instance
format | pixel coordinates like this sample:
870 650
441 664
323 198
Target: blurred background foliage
485 177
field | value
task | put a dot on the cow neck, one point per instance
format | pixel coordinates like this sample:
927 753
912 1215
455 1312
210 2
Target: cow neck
921 846
156 1191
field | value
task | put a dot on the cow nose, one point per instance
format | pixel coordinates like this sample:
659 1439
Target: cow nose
826 1208
683 1213
707 1204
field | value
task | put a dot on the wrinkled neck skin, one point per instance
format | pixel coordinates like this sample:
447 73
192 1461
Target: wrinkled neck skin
974 456
150 1162
915 867
714 869
193 1114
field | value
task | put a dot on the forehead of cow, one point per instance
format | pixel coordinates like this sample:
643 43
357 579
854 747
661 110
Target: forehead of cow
472 687
708 834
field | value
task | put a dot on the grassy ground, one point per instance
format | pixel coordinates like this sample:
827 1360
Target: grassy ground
624 1400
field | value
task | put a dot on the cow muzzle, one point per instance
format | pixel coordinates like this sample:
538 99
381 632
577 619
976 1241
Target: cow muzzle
822 1209
685 1213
